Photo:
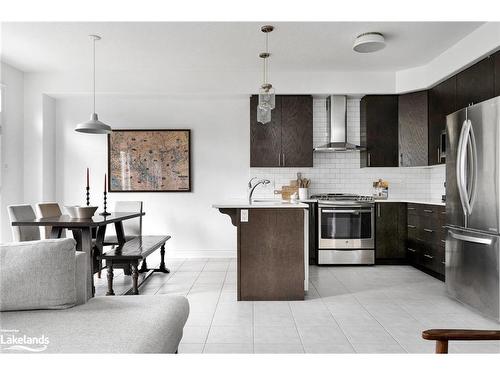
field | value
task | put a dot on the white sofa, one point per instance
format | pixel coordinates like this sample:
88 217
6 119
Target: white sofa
40 298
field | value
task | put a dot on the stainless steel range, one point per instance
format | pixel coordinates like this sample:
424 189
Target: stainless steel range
345 229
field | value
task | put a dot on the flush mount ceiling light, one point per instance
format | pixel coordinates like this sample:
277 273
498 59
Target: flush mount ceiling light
267 98
93 126
369 42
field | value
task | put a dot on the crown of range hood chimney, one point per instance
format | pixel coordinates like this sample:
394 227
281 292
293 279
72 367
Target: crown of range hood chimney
336 106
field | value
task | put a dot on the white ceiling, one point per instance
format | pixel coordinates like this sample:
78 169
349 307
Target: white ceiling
157 47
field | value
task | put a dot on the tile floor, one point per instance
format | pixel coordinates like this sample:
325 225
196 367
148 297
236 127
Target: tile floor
380 309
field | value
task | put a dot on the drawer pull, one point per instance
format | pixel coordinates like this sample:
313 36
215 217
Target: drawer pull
411 226
429 211
428 230
443 241
412 250
443 263
411 208
428 256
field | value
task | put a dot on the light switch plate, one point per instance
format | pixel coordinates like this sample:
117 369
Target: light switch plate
244 216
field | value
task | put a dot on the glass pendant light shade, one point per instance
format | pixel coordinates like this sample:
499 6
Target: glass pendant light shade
267 98
263 115
93 126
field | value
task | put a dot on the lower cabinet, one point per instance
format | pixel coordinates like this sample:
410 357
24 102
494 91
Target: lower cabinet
425 246
390 235
271 255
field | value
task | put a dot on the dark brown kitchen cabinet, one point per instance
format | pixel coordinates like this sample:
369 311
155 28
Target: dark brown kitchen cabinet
287 141
425 244
442 102
296 131
390 233
496 56
379 131
265 140
476 83
413 129
271 255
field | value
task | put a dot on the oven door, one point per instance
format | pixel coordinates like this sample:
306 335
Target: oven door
347 227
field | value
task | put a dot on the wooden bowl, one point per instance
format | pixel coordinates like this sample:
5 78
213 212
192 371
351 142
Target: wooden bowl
81 212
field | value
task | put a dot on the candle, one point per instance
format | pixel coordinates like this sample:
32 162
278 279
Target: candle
105 182
87 177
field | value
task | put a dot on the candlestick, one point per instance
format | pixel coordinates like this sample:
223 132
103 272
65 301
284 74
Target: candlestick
105 185
87 177
105 213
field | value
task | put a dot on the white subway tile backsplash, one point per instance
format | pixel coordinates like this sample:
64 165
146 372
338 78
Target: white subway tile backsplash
341 172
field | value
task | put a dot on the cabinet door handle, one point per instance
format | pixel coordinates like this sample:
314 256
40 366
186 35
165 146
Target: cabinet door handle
411 226
378 210
439 155
428 256
284 163
428 230
279 159
412 250
369 159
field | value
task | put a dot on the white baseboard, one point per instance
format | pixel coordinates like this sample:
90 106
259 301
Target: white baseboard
201 253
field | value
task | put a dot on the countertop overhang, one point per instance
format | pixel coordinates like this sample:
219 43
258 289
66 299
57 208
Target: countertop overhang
260 204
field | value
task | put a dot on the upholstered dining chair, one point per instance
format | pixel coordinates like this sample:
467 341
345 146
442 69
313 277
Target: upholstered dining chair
23 212
131 228
49 209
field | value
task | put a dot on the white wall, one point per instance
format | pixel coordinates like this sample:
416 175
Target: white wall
341 172
12 145
220 158
48 154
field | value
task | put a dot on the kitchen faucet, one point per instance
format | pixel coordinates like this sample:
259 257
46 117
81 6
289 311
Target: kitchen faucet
251 187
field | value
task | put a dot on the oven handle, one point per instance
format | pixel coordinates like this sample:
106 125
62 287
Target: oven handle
344 211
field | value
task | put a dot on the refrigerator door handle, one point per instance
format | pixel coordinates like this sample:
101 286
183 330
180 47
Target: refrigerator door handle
473 163
460 173
479 240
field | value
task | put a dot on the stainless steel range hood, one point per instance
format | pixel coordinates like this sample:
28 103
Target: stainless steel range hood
336 106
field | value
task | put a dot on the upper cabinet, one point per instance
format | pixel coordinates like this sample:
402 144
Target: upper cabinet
442 102
496 56
287 141
413 129
476 83
379 131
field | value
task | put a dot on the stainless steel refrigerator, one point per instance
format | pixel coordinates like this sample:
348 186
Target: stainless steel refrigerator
473 206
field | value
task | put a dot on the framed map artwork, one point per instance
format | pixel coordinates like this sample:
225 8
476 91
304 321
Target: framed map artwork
156 160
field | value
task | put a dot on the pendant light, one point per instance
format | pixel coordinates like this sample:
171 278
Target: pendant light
267 97
93 126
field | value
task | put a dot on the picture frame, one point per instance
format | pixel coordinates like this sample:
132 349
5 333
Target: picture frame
149 160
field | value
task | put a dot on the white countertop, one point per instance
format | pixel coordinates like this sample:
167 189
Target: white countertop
259 203
415 201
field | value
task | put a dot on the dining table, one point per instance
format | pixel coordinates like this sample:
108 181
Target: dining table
84 231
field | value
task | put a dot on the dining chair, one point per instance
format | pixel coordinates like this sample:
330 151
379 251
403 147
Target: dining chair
23 233
50 209
131 228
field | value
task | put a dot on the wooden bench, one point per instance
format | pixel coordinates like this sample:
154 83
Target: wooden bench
132 252
442 336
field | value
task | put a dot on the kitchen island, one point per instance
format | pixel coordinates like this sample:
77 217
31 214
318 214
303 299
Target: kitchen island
272 249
